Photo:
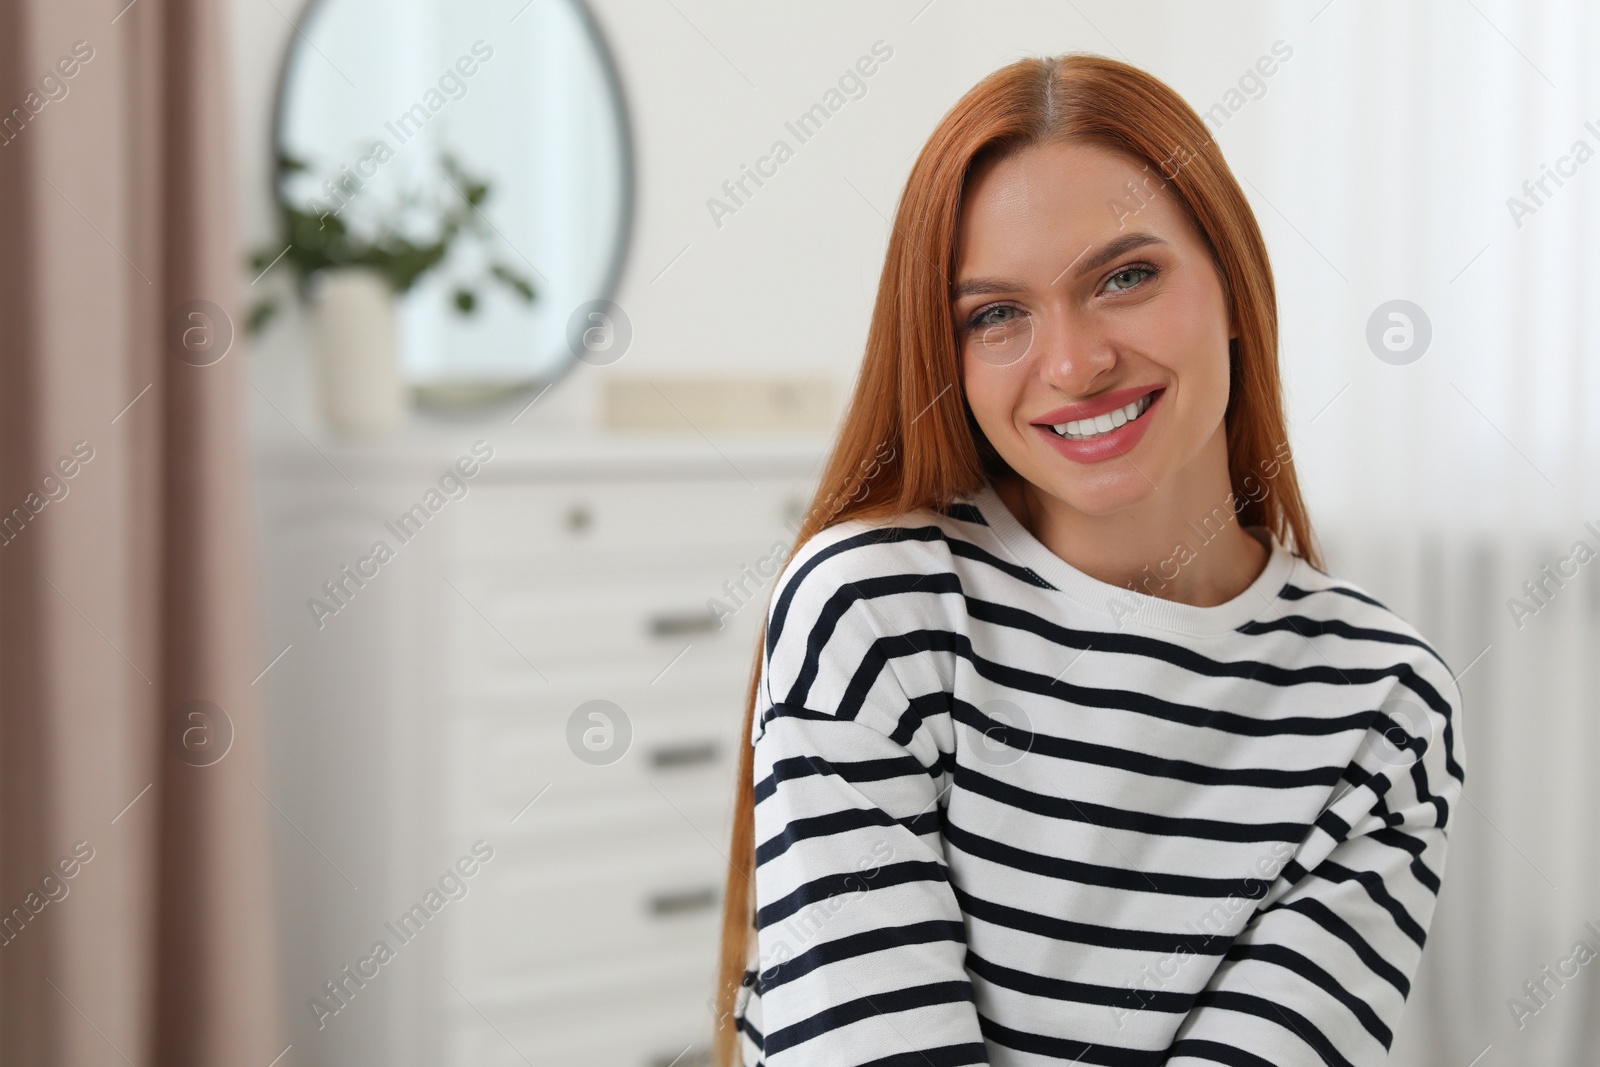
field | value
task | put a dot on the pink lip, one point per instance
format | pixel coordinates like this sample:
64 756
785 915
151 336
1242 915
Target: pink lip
1118 442
1088 409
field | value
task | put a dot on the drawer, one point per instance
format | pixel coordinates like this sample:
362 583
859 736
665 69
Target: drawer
678 767
511 520
541 914
588 986
562 819
630 634
620 1023
707 563
717 684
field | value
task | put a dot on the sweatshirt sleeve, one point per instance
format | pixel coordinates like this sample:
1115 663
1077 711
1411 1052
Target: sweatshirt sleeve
861 941
1321 972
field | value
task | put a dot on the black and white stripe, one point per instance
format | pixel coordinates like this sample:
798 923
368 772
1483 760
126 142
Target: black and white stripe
1008 814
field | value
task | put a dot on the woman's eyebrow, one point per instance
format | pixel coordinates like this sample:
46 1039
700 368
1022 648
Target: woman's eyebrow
1121 246
1108 252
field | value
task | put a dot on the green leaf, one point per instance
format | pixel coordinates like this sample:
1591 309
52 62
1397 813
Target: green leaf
320 239
514 281
261 313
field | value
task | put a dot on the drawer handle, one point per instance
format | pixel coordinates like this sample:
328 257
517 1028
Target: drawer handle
691 754
682 901
579 518
679 623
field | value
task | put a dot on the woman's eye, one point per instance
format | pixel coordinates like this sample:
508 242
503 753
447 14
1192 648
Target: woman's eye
1138 274
986 316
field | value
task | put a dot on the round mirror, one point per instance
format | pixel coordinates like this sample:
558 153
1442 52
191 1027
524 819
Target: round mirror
477 154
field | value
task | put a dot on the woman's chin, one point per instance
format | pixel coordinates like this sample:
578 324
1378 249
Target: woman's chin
1115 488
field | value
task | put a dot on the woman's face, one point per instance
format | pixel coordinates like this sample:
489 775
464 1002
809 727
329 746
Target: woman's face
1084 300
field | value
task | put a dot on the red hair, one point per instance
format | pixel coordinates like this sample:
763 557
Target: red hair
909 439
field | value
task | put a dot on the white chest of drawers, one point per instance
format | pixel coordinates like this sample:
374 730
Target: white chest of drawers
434 710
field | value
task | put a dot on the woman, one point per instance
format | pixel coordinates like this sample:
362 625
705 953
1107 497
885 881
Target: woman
1063 747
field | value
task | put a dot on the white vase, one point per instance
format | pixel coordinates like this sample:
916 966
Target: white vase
363 391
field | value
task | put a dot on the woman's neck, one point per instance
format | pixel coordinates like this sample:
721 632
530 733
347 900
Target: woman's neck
1186 547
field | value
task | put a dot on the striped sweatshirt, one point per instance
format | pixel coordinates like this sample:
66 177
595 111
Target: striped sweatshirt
1006 813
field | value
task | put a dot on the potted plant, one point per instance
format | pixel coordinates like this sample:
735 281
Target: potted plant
352 276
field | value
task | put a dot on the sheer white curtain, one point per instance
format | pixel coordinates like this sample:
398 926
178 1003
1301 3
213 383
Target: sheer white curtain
1380 159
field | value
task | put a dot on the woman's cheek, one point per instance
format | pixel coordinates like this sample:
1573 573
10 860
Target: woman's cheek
979 390
986 392
1203 383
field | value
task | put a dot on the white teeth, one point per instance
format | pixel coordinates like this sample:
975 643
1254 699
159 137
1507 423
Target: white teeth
1086 429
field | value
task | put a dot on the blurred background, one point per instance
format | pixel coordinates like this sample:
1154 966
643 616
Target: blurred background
407 405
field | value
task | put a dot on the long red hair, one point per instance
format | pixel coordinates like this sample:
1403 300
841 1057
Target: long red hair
909 439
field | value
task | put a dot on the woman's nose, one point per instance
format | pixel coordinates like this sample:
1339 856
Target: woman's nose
1071 354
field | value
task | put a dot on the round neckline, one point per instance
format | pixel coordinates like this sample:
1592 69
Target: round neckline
1122 607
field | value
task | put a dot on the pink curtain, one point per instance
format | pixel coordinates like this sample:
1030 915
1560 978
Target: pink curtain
135 903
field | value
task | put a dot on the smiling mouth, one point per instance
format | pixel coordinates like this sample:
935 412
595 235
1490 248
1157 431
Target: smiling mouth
1100 425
